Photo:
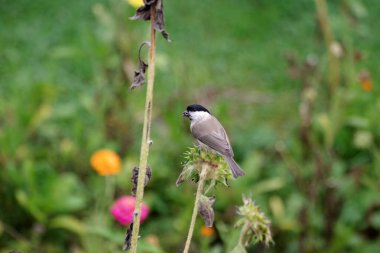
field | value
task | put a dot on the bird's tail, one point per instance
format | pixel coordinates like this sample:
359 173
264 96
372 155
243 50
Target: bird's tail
235 169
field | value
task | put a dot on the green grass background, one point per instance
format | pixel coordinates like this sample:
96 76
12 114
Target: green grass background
64 94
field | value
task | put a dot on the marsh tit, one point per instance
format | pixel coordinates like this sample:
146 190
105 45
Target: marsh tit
210 133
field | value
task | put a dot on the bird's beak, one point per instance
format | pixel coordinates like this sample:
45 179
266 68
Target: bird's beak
185 114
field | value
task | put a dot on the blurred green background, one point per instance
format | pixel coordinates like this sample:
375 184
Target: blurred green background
303 121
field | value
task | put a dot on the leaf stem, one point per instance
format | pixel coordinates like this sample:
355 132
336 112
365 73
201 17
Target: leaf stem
145 140
201 182
140 48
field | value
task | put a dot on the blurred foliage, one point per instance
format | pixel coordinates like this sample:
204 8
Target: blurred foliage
311 155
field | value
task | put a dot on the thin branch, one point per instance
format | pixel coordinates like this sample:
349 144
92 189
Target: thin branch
145 141
242 233
328 36
201 182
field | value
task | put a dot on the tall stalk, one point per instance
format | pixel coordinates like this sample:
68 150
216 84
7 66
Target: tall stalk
328 36
145 140
201 182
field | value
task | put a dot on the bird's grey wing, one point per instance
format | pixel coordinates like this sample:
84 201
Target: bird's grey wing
218 144
214 139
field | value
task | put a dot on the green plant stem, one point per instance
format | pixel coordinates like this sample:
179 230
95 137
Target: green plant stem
201 182
328 36
145 141
242 232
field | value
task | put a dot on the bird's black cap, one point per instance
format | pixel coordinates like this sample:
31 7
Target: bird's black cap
196 108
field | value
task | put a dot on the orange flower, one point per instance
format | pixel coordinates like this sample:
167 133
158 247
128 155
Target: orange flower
105 162
207 231
367 85
365 81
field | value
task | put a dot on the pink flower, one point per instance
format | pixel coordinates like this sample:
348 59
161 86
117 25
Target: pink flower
123 208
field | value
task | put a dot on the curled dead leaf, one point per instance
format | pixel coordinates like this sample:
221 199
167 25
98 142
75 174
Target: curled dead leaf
139 75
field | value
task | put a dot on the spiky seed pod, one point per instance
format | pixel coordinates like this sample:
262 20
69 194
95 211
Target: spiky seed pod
218 171
255 226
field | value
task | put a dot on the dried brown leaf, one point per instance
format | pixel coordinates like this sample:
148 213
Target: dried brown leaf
142 13
159 23
206 211
138 79
135 176
139 75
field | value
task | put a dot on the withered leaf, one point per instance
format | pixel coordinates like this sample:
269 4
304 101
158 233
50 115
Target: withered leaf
180 180
143 13
128 237
139 75
135 176
166 35
205 209
159 23
188 173
138 79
